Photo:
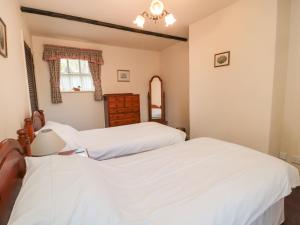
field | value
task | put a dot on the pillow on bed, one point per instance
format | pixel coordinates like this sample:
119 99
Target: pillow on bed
56 190
69 134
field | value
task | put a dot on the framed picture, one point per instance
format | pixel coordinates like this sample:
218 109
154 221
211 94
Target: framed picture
123 76
222 59
3 39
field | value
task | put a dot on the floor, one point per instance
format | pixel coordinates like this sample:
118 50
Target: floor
292 208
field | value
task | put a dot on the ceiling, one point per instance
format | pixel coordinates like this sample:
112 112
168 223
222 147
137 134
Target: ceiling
117 12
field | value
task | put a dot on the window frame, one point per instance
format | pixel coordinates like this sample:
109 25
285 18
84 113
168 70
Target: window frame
80 74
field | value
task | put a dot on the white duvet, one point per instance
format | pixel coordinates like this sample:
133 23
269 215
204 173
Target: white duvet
200 182
130 139
118 141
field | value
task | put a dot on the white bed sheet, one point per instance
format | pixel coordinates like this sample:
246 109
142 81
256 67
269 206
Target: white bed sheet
203 181
130 139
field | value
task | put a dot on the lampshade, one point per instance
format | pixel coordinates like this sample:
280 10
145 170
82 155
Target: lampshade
139 21
170 19
47 142
157 7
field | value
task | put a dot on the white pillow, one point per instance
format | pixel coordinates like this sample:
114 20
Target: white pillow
69 134
59 190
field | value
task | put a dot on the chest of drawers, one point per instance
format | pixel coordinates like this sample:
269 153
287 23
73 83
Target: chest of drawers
121 109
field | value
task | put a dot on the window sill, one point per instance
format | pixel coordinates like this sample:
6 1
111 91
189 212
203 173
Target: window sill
77 92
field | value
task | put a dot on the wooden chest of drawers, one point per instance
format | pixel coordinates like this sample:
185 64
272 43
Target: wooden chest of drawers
121 109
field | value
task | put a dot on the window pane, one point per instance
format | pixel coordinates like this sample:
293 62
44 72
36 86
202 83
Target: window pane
75 81
73 65
63 66
87 83
84 67
65 83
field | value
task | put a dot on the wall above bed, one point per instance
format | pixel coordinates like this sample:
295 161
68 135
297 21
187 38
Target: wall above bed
79 109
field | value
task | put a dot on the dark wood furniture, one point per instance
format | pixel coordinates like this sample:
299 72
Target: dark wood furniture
12 172
152 105
121 109
31 125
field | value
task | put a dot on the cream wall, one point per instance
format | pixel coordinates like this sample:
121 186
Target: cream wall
290 141
14 97
79 109
175 75
280 74
234 103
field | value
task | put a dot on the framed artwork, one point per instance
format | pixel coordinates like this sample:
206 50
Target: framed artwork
3 39
222 59
123 76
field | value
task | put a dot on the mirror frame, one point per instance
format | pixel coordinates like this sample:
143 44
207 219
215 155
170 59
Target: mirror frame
163 114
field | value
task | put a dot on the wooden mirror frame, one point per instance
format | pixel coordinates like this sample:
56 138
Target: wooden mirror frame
163 113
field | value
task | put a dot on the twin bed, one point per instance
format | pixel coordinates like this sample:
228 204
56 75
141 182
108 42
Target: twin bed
202 181
106 143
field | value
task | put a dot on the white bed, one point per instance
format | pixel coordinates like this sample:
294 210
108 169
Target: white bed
200 182
111 142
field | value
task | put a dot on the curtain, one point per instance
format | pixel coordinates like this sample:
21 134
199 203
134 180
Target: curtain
54 68
96 74
53 54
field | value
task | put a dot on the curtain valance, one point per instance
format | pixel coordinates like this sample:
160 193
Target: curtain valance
53 52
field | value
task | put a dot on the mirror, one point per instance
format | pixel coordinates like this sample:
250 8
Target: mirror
156 100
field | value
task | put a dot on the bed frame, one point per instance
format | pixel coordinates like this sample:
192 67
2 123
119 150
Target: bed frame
26 135
12 172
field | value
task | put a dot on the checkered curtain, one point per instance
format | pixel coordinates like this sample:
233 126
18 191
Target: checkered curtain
53 54
96 74
54 68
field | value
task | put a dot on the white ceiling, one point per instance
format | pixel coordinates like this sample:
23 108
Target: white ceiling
121 12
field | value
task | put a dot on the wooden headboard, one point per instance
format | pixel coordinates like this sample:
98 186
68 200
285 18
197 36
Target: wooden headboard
31 125
12 172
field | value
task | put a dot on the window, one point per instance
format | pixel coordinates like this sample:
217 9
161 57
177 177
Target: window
75 73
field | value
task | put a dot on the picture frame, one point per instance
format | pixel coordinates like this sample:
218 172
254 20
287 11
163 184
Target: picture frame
3 39
123 75
222 59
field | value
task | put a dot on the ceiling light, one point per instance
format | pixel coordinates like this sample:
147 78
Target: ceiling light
157 12
139 21
170 19
156 8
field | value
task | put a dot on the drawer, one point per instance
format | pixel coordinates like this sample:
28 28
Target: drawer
132 101
124 122
124 110
123 116
116 104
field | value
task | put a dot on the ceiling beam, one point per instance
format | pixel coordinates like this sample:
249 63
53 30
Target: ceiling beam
98 23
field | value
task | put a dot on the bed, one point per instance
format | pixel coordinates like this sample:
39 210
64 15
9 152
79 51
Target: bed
109 142
202 181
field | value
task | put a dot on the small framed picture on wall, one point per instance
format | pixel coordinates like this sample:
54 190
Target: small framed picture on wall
123 75
3 39
222 59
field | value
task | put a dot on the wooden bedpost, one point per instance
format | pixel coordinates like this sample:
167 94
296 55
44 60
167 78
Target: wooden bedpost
42 117
28 126
24 141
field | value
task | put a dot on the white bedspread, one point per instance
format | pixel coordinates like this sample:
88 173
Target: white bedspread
124 140
201 182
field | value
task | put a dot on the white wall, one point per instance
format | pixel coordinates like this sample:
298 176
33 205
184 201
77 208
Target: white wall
279 84
14 97
79 109
290 141
175 75
234 103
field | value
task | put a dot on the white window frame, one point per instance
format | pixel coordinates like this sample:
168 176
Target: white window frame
80 74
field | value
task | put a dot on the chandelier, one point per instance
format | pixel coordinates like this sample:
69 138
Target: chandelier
157 12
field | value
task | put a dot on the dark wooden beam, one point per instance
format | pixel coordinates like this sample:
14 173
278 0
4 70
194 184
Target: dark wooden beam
98 23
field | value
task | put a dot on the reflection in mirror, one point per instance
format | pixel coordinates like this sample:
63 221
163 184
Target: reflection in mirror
156 100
